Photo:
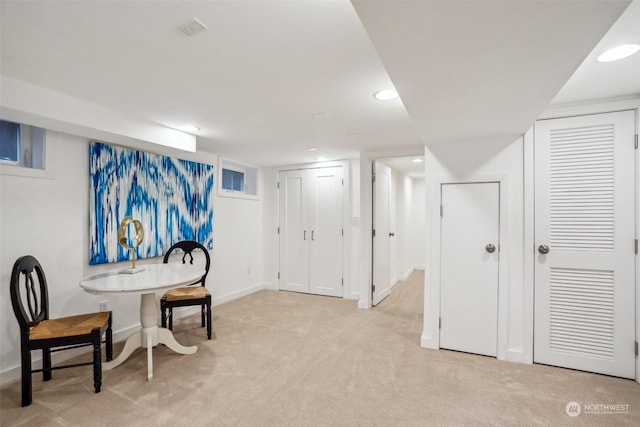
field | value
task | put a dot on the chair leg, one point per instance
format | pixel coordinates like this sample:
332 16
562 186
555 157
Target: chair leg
109 339
171 318
163 312
25 356
209 317
97 361
202 307
46 364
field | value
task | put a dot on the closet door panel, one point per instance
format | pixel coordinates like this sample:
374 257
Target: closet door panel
294 254
325 247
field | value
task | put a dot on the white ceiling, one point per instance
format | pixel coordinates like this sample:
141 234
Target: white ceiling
254 81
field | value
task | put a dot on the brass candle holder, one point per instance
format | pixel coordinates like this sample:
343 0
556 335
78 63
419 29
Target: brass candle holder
137 239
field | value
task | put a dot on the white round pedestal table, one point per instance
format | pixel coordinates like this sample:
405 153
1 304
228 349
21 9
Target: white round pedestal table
154 278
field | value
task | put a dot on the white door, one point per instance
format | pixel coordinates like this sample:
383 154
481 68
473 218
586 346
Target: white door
470 236
310 229
381 248
294 250
584 237
325 226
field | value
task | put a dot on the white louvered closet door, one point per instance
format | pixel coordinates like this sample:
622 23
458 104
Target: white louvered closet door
584 213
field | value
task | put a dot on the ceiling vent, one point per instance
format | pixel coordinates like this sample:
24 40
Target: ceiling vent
193 27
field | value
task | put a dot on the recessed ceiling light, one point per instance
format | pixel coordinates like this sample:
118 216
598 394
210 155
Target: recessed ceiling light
312 149
417 160
385 95
322 115
619 52
189 128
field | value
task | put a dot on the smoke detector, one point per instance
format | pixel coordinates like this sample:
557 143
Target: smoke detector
193 27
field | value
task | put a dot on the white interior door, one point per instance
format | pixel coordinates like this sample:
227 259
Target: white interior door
325 225
470 235
584 234
294 248
381 247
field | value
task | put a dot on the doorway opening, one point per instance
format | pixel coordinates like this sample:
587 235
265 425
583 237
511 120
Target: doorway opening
399 221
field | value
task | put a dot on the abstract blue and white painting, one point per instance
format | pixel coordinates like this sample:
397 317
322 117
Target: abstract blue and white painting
172 198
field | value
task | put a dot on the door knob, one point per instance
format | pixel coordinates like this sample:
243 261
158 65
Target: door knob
490 248
543 249
392 234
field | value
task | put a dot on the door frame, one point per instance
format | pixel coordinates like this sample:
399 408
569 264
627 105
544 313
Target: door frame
433 288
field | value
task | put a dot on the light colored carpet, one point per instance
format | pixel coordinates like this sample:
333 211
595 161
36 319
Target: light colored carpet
287 359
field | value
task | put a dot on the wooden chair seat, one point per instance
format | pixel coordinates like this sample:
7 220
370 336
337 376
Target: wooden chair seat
70 326
187 293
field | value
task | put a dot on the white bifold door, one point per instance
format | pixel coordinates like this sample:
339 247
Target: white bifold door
469 260
584 243
311 230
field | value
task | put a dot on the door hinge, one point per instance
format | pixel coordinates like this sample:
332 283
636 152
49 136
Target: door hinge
373 177
439 322
278 185
278 230
343 182
636 247
373 287
636 144
441 210
342 281
278 274
636 348
342 231
373 232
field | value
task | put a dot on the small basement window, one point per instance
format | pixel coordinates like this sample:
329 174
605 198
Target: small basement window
21 145
232 180
237 180
9 142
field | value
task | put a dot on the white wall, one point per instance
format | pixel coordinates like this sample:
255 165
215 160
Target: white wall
49 218
417 221
476 162
408 219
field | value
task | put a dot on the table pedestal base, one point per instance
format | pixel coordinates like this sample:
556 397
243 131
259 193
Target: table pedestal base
148 337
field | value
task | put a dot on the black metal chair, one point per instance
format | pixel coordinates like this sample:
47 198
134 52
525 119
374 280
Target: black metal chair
30 301
188 295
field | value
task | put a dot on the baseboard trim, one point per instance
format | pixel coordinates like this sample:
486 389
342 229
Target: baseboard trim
406 275
429 342
217 300
515 356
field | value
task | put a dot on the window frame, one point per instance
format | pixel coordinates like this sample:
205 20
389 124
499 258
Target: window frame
35 139
251 179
